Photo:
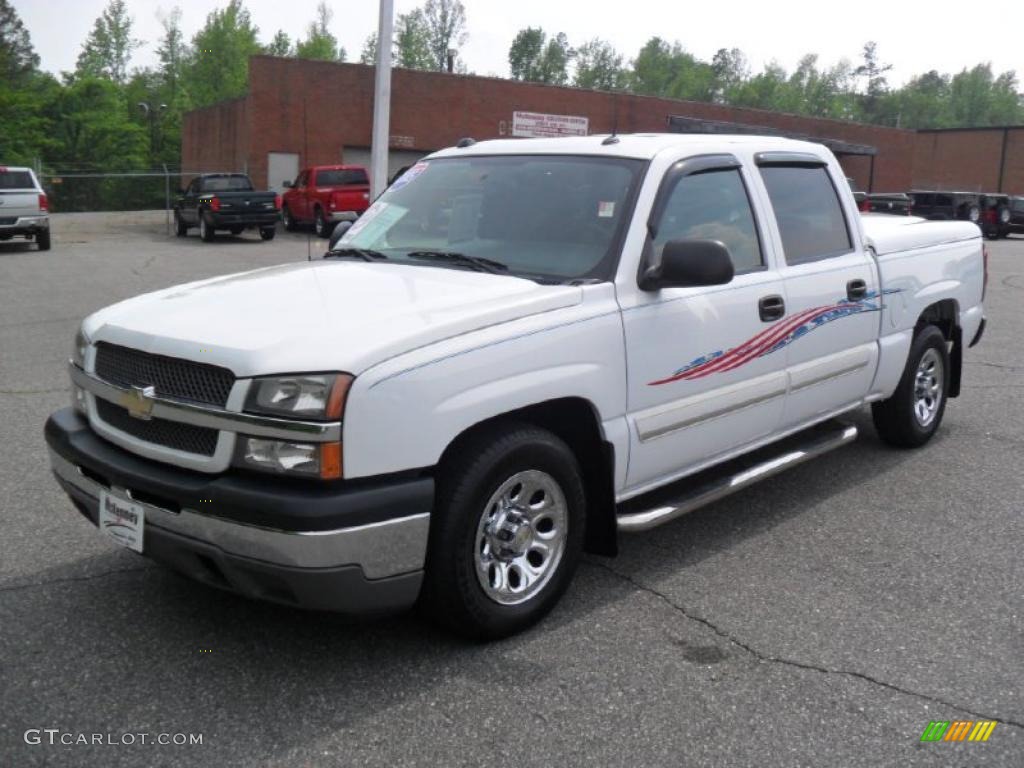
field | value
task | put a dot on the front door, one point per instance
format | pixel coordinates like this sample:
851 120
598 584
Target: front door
703 378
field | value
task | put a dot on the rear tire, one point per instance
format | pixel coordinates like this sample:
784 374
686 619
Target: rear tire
913 414
267 233
206 230
507 531
43 239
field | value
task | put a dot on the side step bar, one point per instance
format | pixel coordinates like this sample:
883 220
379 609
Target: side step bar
802 447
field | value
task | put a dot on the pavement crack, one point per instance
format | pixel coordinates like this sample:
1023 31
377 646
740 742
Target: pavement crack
32 391
72 579
1001 366
768 658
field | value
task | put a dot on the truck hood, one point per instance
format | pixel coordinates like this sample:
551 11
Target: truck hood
320 316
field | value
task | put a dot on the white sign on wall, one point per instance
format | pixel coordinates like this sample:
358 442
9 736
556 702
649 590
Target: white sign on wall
539 125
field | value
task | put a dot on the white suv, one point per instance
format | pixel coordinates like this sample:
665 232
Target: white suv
24 208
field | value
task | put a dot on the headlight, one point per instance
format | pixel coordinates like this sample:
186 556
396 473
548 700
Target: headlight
321 460
319 396
80 348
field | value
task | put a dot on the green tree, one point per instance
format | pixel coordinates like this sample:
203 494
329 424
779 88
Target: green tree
535 58
369 53
876 84
663 69
525 53
219 66
173 53
599 66
18 59
446 29
280 45
730 70
108 49
320 43
412 41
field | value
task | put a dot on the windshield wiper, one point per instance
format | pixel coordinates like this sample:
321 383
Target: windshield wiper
366 254
479 263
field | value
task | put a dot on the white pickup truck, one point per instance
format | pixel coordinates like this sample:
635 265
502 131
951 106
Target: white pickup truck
24 207
520 351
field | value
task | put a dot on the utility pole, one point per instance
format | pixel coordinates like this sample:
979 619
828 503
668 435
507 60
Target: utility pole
382 101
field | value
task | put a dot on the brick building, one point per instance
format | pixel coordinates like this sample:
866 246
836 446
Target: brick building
300 112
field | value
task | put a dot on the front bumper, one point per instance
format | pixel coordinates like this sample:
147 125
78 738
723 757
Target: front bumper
355 549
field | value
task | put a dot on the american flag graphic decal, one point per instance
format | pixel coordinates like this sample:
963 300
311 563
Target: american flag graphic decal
774 338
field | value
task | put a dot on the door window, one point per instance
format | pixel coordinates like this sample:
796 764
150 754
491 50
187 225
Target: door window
712 206
807 209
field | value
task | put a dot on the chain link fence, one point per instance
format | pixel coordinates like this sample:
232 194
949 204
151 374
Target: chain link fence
81 189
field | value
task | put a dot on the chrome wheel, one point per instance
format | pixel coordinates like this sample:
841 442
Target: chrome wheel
319 224
521 537
928 386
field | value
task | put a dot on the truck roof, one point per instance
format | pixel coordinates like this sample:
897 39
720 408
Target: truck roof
638 145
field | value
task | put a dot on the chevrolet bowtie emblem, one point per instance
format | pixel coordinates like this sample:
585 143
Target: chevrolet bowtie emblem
139 402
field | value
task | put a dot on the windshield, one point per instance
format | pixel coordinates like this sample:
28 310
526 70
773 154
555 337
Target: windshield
227 184
545 217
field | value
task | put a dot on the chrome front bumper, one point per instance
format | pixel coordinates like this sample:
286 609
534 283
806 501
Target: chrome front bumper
379 549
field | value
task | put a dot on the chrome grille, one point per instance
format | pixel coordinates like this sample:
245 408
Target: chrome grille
169 434
171 377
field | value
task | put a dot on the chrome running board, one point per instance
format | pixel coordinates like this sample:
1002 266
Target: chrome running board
664 505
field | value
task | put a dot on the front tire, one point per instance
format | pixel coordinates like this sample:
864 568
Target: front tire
507 532
267 233
913 414
322 227
180 227
289 223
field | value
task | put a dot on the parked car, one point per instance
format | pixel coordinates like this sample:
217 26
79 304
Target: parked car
228 201
1017 215
24 207
947 206
521 351
324 195
995 215
895 203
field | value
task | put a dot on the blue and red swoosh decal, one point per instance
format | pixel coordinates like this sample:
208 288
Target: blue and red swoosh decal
774 338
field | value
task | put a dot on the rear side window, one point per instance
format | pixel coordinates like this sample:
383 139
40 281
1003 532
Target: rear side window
341 178
712 206
227 184
807 209
16 180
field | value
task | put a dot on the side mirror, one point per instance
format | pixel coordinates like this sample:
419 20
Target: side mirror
338 233
286 184
689 264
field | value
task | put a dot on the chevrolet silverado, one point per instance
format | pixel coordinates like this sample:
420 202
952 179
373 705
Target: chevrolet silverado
520 352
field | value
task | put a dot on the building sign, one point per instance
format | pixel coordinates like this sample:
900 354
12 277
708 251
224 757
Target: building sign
404 142
539 125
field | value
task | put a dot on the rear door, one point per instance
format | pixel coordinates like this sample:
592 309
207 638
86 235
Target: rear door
702 380
831 287
19 195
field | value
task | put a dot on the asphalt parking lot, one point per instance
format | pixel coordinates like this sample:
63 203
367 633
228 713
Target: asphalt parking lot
820 619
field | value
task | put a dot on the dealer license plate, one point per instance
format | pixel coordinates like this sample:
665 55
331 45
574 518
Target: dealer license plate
122 520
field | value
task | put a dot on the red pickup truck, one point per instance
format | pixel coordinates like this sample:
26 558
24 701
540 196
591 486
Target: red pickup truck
325 195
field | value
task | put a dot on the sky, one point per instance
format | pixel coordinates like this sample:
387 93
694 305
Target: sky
913 37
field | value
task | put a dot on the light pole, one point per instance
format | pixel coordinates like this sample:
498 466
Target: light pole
382 101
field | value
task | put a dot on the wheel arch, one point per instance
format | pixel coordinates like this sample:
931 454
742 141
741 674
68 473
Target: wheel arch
575 420
945 315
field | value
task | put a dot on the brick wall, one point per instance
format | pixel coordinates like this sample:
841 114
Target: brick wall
315 109
970 159
216 138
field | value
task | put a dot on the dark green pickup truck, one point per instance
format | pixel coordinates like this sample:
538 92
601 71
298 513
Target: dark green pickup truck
226 201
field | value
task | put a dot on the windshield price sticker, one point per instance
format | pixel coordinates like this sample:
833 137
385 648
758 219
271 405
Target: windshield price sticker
605 210
410 175
377 220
